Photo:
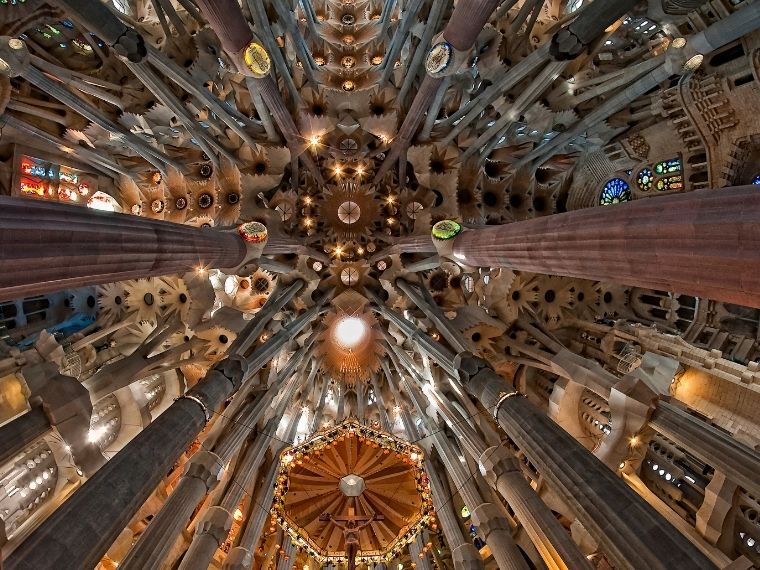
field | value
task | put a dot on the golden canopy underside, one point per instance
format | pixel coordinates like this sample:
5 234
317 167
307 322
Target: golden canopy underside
391 491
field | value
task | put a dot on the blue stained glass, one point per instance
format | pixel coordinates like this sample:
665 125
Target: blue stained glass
756 180
614 192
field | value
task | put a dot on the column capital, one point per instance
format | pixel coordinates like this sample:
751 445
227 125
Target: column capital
206 466
233 369
469 365
239 558
496 462
216 522
488 518
467 557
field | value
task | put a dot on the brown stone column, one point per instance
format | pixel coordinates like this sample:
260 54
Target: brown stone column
47 247
704 243
467 21
226 18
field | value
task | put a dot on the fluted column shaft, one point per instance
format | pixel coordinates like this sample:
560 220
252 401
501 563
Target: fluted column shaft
157 540
256 521
385 422
491 523
713 446
223 15
415 549
201 474
632 533
467 21
212 530
553 542
452 530
287 560
628 528
47 247
79 533
319 410
704 243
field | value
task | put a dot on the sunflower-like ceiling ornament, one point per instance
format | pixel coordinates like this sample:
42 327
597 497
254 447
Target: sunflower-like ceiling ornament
352 492
348 211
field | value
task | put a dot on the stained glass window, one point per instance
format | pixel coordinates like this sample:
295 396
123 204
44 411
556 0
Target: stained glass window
644 179
39 178
670 184
614 192
756 180
668 166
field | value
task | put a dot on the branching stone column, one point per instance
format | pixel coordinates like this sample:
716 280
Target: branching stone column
94 247
464 553
210 533
570 42
227 20
385 422
703 243
255 525
629 529
491 523
416 553
207 467
202 473
555 545
78 534
448 54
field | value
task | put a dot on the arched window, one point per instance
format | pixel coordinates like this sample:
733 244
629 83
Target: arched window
668 166
670 184
614 192
644 179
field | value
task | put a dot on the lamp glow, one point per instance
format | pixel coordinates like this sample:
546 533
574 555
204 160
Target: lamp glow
350 331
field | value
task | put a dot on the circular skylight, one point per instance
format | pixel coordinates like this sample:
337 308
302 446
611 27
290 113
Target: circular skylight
349 212
350 331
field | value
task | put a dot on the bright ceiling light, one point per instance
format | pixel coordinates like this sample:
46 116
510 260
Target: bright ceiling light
350 331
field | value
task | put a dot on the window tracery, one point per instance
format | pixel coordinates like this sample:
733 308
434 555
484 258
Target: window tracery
644 179
670 184
668 166
615 191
